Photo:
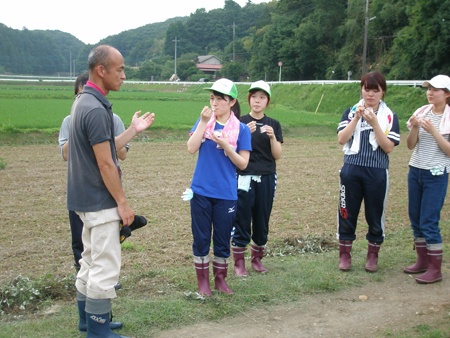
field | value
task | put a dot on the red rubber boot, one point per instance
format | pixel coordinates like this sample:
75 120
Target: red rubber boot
345 259
220 270
421 264
257 255
433 273
239 261
202 271
372 257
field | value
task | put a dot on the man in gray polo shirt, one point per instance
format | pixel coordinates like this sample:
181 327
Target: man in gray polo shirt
94 189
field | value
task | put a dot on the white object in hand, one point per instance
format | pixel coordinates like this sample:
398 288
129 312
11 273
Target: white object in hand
368 110
218 134
187 195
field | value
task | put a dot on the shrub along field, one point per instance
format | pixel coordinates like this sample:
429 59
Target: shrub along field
36 280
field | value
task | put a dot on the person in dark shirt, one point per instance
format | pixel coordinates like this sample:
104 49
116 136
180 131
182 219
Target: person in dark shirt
257 182
369 131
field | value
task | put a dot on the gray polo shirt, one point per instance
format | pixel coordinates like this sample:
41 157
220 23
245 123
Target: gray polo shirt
91 124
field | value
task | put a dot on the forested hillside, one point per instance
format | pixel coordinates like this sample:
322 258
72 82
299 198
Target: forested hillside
314 39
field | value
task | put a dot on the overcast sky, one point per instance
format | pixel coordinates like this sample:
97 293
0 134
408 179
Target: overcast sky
91 21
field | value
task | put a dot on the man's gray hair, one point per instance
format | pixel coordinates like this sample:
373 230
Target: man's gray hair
100 55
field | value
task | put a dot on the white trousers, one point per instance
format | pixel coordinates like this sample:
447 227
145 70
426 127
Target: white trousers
101 258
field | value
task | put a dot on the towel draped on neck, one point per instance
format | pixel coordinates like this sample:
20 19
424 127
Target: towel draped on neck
385 119
444 126
230 129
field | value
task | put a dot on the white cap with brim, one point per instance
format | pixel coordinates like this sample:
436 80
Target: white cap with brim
226 87
438 82
262 85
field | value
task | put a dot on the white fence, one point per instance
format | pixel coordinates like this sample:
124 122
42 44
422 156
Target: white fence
412 83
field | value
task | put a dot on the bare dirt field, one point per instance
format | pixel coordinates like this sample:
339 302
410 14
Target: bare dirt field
33 199
35 236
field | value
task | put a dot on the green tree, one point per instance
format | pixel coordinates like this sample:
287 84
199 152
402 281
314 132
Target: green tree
233 71
186 66
314 45
149 70
315 39
267 45
351 33
388 17
421 49
176 31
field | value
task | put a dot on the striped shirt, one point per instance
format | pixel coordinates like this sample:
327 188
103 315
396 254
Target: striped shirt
366 156
427 154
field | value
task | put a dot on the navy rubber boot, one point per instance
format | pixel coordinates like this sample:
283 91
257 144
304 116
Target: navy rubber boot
98 319
82 325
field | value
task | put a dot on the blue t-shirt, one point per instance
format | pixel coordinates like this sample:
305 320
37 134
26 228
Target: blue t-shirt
215 174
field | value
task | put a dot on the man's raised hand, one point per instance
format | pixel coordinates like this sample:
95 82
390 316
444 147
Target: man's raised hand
143 122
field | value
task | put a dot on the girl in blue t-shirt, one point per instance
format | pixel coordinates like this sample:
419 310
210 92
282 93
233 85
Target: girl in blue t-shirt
223 144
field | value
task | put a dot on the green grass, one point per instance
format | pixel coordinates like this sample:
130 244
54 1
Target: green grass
30 108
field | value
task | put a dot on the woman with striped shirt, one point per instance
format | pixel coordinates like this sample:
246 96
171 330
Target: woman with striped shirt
429 138
369 131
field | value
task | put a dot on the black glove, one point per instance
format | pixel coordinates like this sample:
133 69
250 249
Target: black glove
125 231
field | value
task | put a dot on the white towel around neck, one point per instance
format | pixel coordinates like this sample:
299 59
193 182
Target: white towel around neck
385 118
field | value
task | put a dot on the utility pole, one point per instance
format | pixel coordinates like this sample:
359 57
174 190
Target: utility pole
366 29
234 36
279 65
175 69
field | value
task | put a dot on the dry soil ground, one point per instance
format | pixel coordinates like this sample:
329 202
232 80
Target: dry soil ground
35 236
375 310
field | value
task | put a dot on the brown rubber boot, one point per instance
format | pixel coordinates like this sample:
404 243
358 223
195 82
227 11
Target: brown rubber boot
239 261
257 253
433 273
421 264
372 257
345 259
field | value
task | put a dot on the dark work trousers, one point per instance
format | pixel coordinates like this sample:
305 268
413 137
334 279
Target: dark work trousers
253 212
76 228
212 216
358 183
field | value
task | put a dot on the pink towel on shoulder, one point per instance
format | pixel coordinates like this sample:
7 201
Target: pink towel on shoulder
444 126
230 130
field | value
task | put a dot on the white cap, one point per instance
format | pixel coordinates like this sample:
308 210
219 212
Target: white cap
262 85
439 82
226 87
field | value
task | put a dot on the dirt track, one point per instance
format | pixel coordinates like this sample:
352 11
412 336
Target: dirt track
375 310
